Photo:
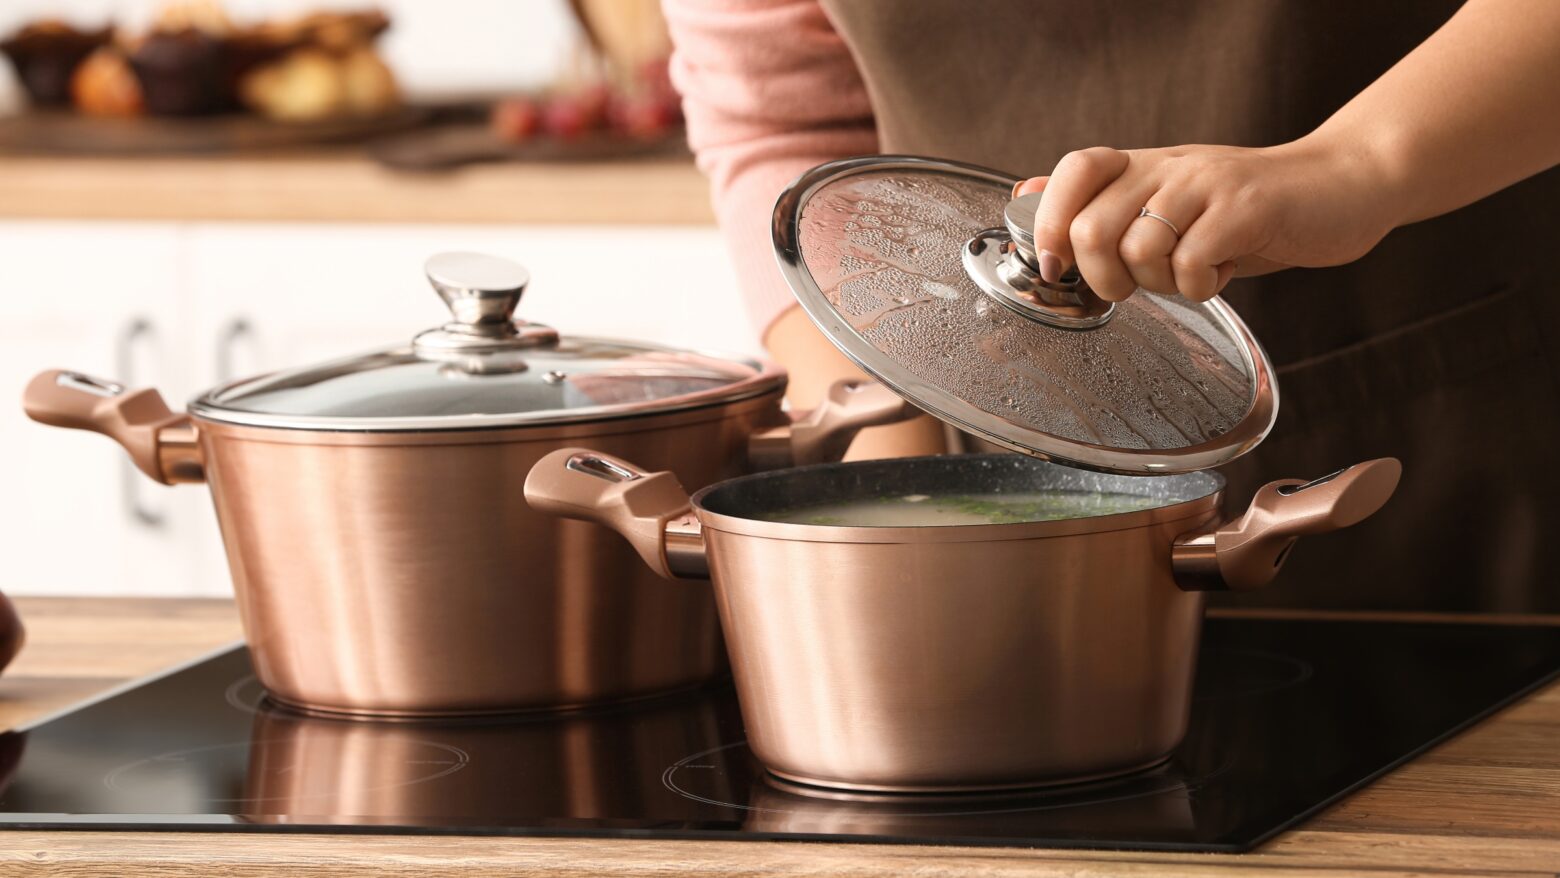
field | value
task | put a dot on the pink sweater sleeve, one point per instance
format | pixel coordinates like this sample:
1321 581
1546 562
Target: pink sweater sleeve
769 90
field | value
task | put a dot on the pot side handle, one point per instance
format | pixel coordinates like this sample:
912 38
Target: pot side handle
160 443
651 510
824 433
1247 553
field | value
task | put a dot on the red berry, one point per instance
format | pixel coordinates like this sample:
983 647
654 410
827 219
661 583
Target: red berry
594 99
516 120
565 118
644 116
655 76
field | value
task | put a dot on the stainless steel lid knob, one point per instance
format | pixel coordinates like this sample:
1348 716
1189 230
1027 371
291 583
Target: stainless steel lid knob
482 293
1019 217
1004 264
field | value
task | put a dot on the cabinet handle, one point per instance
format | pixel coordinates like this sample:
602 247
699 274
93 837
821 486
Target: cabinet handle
138 332
233 334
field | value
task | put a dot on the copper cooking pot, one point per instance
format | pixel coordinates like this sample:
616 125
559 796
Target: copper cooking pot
963 657
383 559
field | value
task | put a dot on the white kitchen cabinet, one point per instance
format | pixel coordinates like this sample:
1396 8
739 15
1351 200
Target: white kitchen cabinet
77 518
317 291
230 300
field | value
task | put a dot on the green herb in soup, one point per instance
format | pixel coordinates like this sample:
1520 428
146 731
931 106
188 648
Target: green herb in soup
923 510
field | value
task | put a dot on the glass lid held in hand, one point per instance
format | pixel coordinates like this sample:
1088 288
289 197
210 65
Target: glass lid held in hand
486 369
923 272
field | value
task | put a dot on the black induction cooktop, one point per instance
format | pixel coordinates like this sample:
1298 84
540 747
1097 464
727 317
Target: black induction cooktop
1289 716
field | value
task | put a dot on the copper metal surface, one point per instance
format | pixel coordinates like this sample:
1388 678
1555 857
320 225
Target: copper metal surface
133 418
909 666
940 658
1248 552
403 573
407 579
816 437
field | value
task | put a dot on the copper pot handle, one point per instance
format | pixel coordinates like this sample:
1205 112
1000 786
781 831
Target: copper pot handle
824 433
651 510
160 443
1247 553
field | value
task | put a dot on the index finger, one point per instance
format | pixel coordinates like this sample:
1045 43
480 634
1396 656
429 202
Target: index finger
1078 178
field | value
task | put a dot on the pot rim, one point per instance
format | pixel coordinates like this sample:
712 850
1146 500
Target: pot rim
1198 510
579 431
767 376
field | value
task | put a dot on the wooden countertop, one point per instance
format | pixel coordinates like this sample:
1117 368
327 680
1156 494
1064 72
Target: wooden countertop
345 186
1485 803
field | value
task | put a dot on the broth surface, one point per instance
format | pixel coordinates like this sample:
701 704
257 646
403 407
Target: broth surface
924 510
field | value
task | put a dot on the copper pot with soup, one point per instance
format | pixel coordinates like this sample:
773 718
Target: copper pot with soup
978 622
383 558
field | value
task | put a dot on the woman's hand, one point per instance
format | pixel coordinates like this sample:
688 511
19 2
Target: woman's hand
1235 211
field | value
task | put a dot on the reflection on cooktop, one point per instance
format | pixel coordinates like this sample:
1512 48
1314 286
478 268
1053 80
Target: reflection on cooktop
1161 796
277 772
1287 716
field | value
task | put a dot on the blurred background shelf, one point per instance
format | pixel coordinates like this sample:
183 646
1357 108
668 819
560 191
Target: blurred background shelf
348 186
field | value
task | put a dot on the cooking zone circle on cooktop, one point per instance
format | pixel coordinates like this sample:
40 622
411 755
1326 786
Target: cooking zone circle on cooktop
245 694
1229 672
267 764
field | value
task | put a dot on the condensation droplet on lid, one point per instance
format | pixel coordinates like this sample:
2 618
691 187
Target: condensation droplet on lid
940 290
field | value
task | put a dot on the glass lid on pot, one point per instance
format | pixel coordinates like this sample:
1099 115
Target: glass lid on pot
486 369
923 272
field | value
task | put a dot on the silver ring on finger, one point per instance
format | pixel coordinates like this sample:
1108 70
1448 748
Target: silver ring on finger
1166 220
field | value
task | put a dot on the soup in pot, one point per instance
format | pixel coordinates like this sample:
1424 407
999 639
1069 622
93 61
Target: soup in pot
932 510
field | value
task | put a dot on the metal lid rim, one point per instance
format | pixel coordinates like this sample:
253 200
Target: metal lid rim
766 378
1252 429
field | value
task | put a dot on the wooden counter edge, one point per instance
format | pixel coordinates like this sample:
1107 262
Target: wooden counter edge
352 188
199 854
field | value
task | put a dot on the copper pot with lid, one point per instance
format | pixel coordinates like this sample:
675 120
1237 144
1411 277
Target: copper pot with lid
934 654
383 558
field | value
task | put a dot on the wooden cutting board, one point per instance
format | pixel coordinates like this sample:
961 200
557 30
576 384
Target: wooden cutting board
64 133
455 144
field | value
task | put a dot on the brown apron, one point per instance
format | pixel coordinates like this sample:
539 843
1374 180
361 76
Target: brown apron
1434 348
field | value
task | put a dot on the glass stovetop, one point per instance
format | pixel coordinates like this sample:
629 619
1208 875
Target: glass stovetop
1289 715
